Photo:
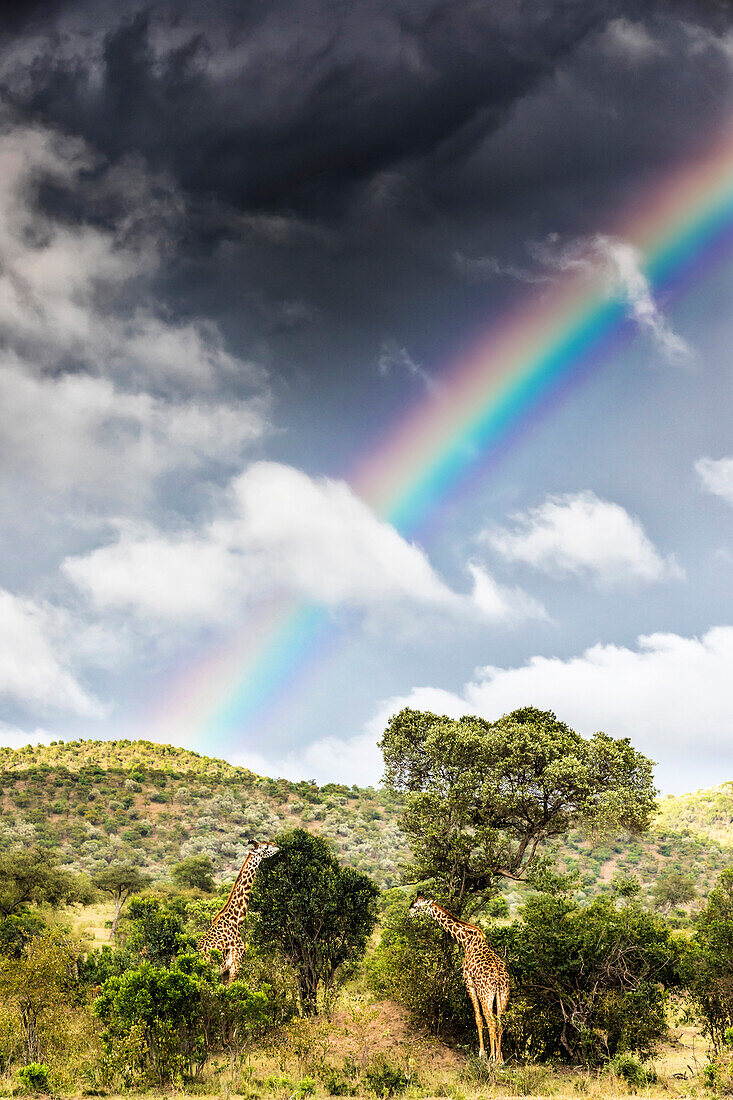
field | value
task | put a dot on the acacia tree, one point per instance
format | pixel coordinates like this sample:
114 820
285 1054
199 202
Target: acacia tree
196 872
120 880
316 913
483 798
672 890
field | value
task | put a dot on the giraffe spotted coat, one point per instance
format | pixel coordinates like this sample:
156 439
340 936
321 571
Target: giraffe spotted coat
224 934
484 973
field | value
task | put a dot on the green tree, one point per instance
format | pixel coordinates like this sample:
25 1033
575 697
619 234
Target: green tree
673 889
166 1005
316 913
588 981
155 931
195 872
711 971
37 986
34 878
120 880
483 798
171 1019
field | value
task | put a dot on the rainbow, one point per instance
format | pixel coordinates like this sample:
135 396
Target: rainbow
680 225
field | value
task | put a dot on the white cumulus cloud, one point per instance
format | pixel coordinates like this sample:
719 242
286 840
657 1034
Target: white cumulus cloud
669 694
34 670
716 475
583 535
279 530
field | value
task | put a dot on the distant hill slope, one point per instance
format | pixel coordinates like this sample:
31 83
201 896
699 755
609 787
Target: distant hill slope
706 813
96 801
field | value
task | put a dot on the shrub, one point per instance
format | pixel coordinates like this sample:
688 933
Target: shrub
384 1079
588 981
633 1071
35 1076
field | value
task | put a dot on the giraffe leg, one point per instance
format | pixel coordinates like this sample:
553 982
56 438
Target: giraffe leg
237 957
487 1003
502 996
479 1022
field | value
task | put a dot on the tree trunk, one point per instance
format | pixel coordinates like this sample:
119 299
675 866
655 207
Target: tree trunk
118 907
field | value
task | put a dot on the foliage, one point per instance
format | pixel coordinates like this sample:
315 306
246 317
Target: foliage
673 889
588 981
482 798
35 1076
169 1020
317 914
156 932
712 969
18 930
120 880
633 1071
38 987
196 872
34 878
385 1079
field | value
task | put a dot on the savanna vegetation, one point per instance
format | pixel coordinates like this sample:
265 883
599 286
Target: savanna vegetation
618 933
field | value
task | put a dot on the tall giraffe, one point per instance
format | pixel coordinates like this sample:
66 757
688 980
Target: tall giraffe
485 975
224 932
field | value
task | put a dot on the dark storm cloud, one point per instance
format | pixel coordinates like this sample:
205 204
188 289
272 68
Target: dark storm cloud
288 105
335 157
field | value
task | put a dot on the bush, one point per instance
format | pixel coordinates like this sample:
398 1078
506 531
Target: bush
384 1079
35 1076
335 1083
712 962
588 981
633 1071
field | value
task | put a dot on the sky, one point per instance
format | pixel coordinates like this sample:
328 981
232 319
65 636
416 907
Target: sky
241 246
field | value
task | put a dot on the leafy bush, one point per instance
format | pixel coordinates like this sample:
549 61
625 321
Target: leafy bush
35 1076
588 981
335 1083
712 969
384 1079
633 1071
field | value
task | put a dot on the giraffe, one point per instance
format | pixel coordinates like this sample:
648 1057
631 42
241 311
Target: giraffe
485 975
224 932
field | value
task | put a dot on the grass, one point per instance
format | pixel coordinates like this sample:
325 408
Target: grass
91 923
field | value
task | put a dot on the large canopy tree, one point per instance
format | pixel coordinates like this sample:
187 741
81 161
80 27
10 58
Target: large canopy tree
315 912
483 798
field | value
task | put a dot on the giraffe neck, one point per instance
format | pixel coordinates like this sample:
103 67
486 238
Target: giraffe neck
460 930
238 900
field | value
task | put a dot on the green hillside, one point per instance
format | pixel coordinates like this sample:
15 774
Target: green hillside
706 813
96 801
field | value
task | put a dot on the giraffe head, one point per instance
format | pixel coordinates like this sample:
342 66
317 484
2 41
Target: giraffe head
420 904
264 850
